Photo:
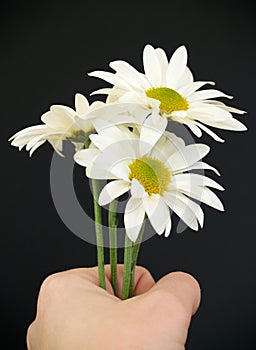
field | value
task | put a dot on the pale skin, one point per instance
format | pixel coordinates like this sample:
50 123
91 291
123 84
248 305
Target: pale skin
74 313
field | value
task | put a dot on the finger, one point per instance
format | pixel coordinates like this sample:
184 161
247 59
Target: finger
169 306
181 288
143 280
91 274
31 336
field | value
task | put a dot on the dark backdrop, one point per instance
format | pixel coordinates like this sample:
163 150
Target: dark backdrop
47 48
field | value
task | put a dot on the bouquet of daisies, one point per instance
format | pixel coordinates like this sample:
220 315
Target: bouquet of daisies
130 142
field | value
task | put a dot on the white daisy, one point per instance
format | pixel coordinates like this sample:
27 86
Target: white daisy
169 87
60 123
156 181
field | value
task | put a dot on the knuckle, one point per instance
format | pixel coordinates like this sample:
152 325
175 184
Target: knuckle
143 270
52 285
30 335
188 280
143 273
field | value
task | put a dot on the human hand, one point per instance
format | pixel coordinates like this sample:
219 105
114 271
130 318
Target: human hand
74 313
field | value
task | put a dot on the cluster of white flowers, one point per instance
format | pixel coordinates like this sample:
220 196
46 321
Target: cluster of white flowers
125 140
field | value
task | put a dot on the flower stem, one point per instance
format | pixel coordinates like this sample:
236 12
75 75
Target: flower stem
99 233
135 253
112 222
127 267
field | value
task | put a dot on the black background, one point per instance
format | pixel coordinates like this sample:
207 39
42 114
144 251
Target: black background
47 48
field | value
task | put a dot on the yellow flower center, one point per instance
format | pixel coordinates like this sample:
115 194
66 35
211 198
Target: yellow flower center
151 173
170 99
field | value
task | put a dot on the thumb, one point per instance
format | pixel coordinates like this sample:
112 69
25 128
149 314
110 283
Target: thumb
182 288
174 298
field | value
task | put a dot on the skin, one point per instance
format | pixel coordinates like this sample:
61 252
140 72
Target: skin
74 313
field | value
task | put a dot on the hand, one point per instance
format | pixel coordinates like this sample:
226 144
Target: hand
74 313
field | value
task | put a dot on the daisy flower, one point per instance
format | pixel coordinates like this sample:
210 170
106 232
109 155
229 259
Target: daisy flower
157 181
169 89
60 123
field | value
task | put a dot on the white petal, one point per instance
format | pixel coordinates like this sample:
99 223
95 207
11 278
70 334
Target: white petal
63 110
113 190
168 227
157 212
114 95
206 112
59 135
104 91
176 67
179 114
112 163
233 109
202 165
205 195
58 119
107 76
193 206
182 209
100 173
171 143
176 142
227 108
131 97
185 79
58 146
133 218
111 78
151 66
193 127
163 63
121 170
85 157
104 169
205 94
35 147
121 144
96 105
21 138
187 90
209 132
152 129
230 124
187 156
112 135
31 131
188 181
84 125
137 190
82 104
100 124
97 123
117 113
190 124
168 144
130 74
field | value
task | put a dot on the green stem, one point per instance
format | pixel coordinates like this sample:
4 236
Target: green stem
127 267
112 222
135 253
99 233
